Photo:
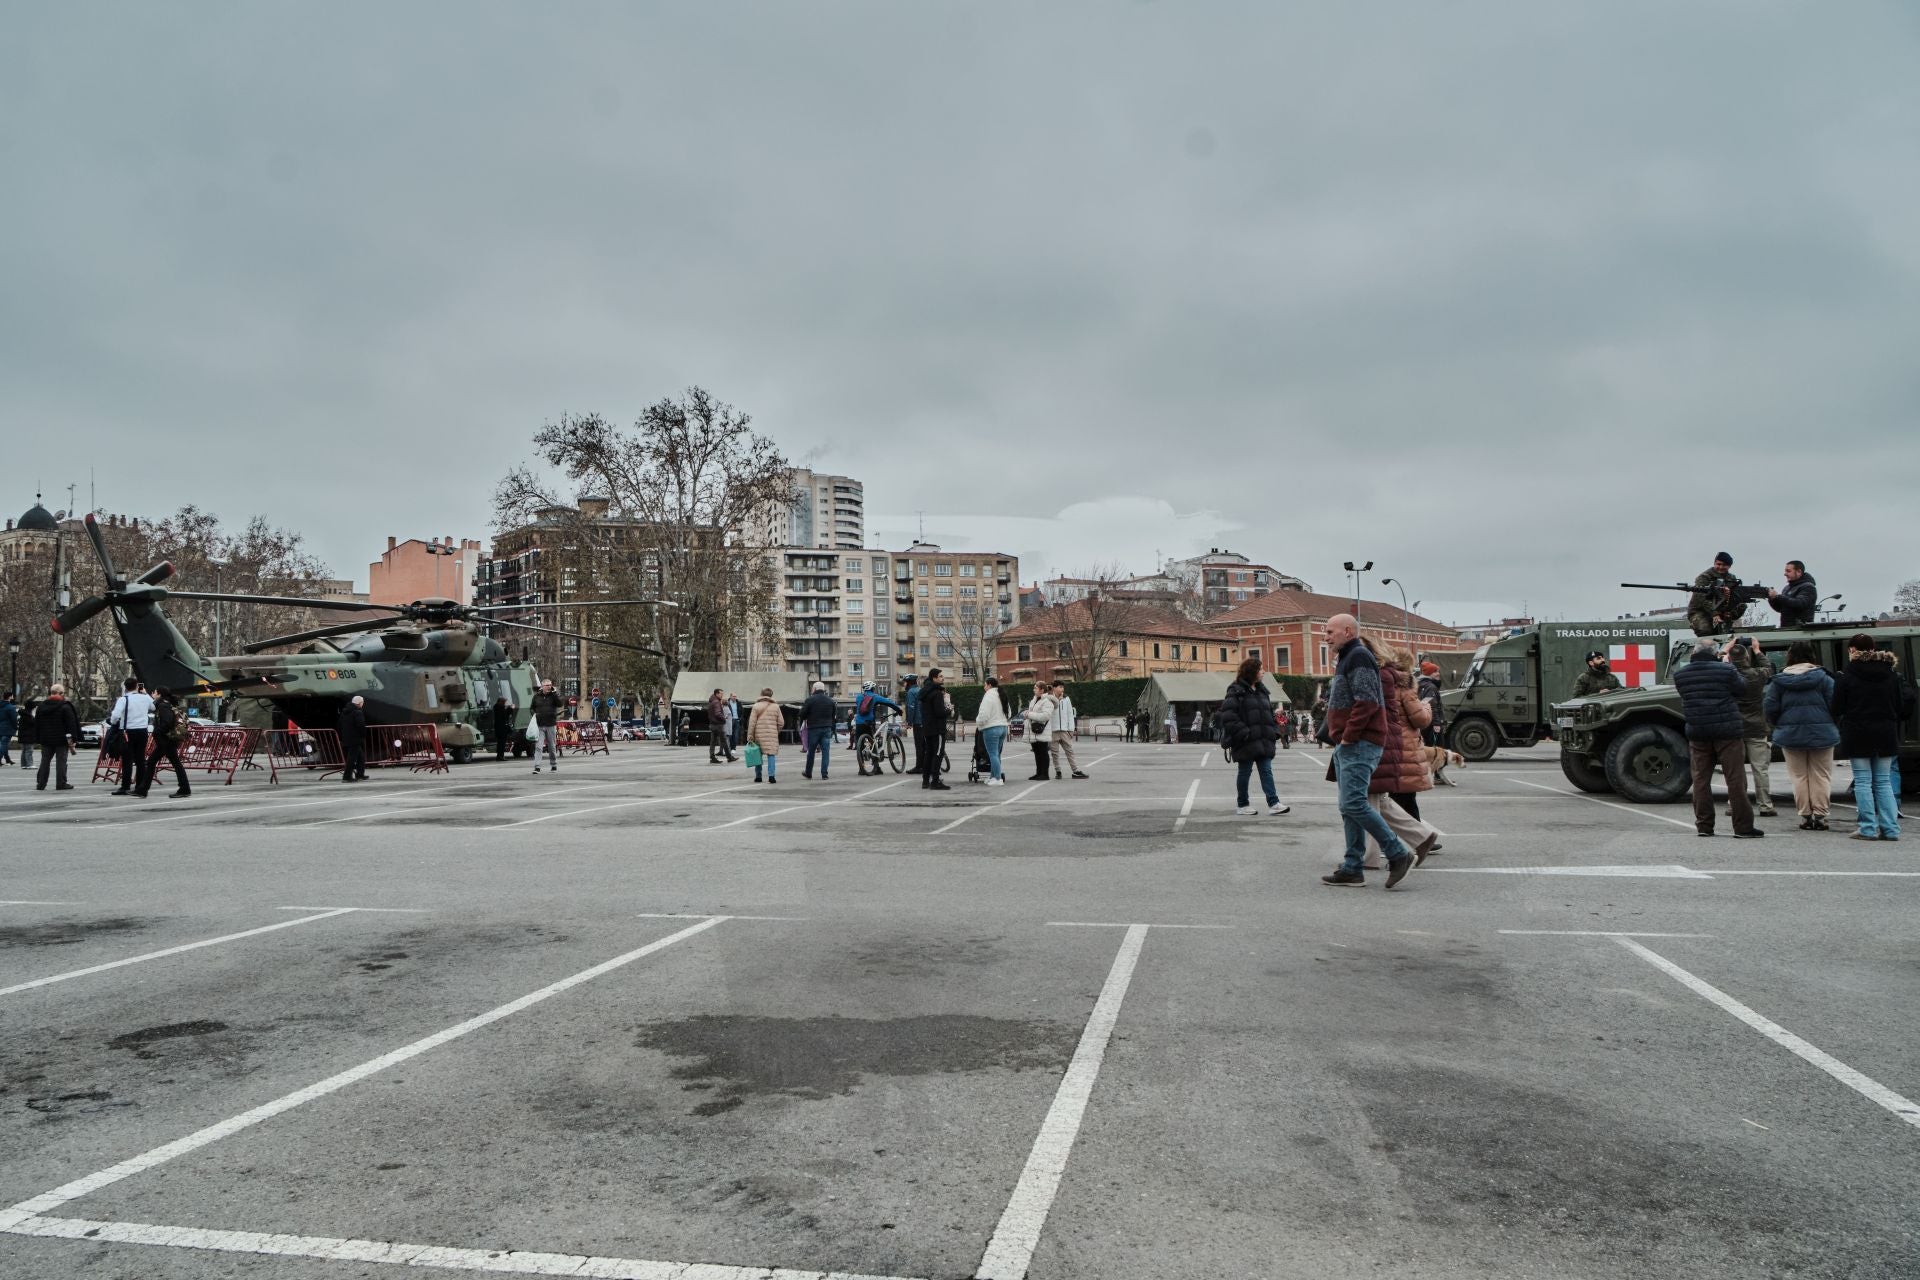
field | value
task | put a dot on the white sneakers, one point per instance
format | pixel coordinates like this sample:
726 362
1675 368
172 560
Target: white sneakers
996 782
1247 810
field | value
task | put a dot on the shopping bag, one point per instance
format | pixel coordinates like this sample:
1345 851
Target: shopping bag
753 755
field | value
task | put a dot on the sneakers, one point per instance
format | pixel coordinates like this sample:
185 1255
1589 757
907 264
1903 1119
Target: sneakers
1861 835
1820 823
996 782
1246 811
1806 824
1705 833
1769 812
536 768
771 781
1341 878
1754 834
64 786
1428 846
180 795
1397 869
939 786
1078 774
1276 809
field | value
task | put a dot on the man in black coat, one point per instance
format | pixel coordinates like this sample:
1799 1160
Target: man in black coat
1249 732
1796 603
817 715
56 728
352 726
933 723
502 727
1710 692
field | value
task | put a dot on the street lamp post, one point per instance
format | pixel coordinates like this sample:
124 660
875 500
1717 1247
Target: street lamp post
13 660
1356 571
217 565
1406 614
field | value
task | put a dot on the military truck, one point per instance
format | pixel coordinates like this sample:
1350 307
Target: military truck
1503 699
1633 742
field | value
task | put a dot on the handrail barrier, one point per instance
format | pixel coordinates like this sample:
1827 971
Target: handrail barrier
416 746
293 749
207 748
581 738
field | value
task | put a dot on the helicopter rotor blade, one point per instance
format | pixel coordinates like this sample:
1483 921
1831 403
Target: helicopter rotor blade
338 606
321 633
114 580
79 613
156 575
565 604
572 635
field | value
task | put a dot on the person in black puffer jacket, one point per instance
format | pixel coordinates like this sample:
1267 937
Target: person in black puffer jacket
1869 703
1247 730
1710 692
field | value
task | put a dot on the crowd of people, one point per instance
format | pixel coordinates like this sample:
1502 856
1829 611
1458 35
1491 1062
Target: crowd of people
1738 710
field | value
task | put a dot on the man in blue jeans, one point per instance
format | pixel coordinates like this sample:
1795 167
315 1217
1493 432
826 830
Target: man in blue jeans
1357 723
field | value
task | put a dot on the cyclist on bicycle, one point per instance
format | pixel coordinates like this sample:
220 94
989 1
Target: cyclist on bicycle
865 708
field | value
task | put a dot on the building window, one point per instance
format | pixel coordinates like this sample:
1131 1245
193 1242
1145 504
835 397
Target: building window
967 570
880 648
1023 653
856 585
1123 648
1156 650
943 571
853 565
923 611
882 627
880 669
1323 657
1064 649
1223 655
969 593
856 628
856 606
1283 657
925 649
857 670
920 568
943 650
923 591
1253 652
943 611
944 591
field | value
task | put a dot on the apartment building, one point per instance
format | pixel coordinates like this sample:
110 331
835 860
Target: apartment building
827 511
1221 580
415 570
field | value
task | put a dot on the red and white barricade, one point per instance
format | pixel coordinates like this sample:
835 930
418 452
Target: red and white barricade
292 749
208 748
581 737
415 746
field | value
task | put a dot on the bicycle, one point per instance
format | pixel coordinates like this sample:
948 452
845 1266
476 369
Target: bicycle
884 744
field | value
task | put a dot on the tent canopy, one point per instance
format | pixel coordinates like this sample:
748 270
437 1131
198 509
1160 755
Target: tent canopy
1207 687
693 688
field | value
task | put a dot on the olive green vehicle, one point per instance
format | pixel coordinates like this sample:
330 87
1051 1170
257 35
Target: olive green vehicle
1633 742
427 662
1505 697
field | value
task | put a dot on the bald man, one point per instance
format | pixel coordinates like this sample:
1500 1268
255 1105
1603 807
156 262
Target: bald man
1357 722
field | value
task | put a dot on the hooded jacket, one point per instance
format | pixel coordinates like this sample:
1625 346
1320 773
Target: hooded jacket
1799 706
1866 706
1245 721
1710 697
1403 762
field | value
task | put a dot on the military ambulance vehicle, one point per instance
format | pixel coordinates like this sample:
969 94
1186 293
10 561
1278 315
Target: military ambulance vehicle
1509 687
1633 742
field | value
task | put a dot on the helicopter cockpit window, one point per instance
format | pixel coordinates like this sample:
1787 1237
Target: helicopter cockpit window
433 695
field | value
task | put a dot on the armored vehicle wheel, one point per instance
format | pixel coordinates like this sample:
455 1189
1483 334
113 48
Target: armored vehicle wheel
1648 764
1583 773
460 755
1474 737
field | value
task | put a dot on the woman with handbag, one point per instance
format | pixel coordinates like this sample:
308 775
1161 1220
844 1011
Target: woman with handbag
763 736
1039 716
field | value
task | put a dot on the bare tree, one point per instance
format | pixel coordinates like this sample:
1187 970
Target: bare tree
691 491
1906 599
1083 634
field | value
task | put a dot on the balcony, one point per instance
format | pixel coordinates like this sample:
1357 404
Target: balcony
1006 597
902 595
903 616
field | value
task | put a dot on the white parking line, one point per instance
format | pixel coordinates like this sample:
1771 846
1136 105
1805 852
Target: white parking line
171 951
602 808
1865 1086
1010 1253
453 804
13 1219
971 814
32 902
1624 808
816 804
1186 806
217 811
1591 933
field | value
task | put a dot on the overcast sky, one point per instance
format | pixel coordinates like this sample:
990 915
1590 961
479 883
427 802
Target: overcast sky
1517 300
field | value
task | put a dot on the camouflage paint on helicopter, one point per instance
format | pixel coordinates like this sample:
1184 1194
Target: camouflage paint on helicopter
420 663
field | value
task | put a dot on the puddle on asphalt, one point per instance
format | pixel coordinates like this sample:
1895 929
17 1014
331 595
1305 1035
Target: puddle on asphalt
63 933
737 1058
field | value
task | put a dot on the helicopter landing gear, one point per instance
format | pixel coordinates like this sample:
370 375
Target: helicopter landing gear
460 755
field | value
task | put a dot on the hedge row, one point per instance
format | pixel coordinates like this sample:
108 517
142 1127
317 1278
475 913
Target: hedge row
1090 698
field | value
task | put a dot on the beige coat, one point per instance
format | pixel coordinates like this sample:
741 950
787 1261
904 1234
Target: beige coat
763 726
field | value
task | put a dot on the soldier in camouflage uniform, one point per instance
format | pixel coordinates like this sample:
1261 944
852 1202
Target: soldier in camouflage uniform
1714 609
1596 678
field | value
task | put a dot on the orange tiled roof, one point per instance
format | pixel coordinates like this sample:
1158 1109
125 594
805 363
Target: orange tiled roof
1287 606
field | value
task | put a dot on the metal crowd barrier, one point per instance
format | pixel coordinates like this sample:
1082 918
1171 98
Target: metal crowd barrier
416 746
207 748
313 749
581 737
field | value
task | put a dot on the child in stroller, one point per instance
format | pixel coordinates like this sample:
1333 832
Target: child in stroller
979 769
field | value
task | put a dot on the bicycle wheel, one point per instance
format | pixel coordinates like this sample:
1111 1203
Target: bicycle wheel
896 754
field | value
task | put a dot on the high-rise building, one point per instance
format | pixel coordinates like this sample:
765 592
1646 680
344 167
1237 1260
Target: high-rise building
1222 580
827 511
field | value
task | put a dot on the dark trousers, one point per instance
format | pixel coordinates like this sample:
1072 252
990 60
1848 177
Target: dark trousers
1731 755
928 743
133 759
1408 800
717 744
163 753
56 756
1042 756
355 755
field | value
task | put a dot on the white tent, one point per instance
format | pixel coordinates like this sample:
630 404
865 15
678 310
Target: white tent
693 688
1187 692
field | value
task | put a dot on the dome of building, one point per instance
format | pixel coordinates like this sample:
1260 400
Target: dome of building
37 520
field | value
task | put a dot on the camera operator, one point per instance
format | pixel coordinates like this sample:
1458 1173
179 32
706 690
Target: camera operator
1795 604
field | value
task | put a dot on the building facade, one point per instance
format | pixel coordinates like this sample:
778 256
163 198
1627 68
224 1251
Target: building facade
1288 629
827 512
1138 640
415 570
1221 580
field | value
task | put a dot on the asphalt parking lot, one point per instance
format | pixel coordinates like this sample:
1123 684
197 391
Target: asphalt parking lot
644 1018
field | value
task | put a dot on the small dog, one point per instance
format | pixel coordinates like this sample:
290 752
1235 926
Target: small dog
1439 760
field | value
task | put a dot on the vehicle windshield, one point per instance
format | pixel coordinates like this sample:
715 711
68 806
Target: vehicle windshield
1473 670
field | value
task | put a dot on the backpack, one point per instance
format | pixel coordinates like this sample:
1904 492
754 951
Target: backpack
864 708
166 723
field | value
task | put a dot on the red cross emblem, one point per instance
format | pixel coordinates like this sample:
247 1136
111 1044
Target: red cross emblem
1633 663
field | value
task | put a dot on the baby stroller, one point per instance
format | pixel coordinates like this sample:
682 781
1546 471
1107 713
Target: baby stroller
979 769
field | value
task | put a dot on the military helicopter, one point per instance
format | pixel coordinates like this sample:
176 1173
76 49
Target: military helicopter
426 662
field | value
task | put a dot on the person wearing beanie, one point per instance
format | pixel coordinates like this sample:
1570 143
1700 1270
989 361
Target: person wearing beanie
1427 687
1708 607
1597 678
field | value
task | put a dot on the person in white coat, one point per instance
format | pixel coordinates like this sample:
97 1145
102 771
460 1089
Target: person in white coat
133 716
1061 731
991 723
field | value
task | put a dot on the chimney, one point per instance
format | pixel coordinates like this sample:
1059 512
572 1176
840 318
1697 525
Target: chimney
391 542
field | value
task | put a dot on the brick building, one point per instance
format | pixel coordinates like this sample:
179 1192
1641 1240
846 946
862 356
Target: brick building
1138 640
414 570
1288 629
